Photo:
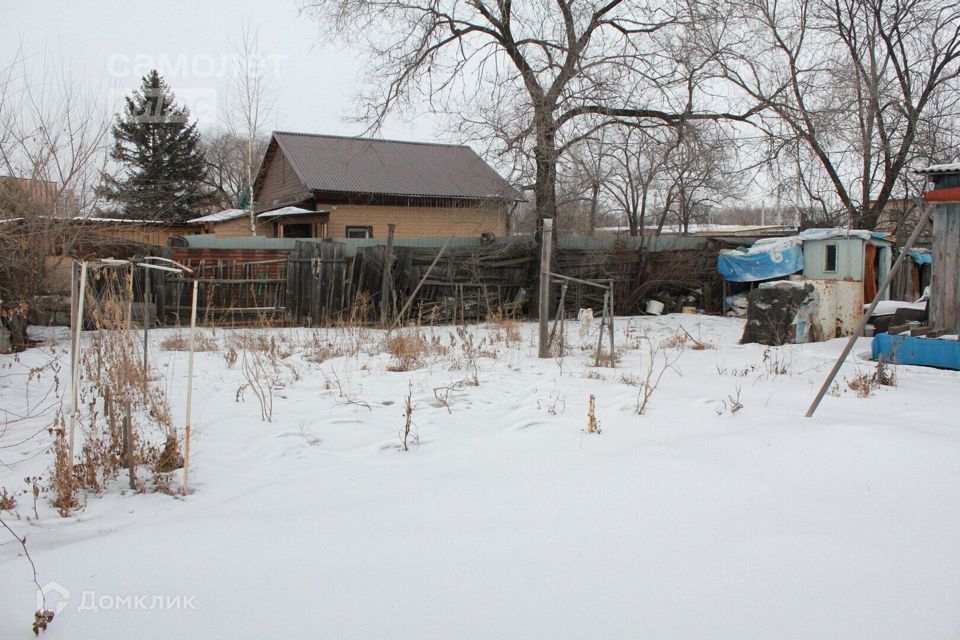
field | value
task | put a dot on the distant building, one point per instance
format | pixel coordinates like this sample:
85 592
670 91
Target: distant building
318 186
21 197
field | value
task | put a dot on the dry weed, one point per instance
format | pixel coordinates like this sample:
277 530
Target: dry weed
592 425
180 341
412 350
863 385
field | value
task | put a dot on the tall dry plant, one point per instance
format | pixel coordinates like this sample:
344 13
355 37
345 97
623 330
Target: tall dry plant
113 382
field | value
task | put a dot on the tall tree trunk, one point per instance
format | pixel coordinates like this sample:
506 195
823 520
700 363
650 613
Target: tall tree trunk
545 184
545 193
594 196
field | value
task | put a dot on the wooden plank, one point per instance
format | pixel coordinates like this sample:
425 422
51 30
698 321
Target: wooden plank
386 285
316 270
293 309
339 280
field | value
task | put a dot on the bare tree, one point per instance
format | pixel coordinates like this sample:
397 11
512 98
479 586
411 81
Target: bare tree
851 81
591 170
700 174
250 105
53 135
542 72
636 160
228 156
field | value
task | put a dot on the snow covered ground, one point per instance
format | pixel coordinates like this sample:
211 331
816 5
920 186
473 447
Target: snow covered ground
507 519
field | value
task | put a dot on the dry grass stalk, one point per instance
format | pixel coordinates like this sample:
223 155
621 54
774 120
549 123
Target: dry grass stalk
180 341
653 375
407 435
863 385
592 425
258 381
884 375
412 350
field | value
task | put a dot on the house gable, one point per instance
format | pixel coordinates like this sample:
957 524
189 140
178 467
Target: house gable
278 184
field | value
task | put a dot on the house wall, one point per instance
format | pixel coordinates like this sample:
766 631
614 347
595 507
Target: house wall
273 192
239 227
849 259
146 234
416 222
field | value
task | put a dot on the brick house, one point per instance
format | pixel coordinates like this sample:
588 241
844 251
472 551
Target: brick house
319 186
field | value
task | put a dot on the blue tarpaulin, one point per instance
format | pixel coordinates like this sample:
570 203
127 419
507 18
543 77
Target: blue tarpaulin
778 257
928 352
766 259
921 257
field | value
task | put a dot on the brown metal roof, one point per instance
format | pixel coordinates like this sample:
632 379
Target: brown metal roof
390 167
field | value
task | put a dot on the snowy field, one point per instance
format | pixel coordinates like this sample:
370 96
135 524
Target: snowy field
721 512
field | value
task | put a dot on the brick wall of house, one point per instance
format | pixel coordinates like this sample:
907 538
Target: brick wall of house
416 222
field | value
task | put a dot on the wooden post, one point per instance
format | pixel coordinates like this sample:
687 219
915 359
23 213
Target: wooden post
610 327
74 296
386 286
561 313
128 444
603 327
129 297
544 310
75 360
146 325
193 333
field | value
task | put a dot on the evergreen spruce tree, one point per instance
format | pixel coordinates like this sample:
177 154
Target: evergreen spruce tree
159 149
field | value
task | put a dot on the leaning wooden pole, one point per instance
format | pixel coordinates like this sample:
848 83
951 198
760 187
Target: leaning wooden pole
924 219
416 290
544 299
193 334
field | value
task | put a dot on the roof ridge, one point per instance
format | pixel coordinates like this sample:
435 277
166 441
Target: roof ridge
363 139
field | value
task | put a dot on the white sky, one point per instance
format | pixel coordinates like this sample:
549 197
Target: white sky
110 44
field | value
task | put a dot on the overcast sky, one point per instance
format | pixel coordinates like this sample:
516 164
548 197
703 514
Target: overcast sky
110 44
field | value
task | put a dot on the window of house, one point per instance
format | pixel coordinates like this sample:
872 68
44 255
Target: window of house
359 232
830 259
280 173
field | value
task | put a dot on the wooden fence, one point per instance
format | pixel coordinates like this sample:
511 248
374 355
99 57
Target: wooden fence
235 286
318 283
